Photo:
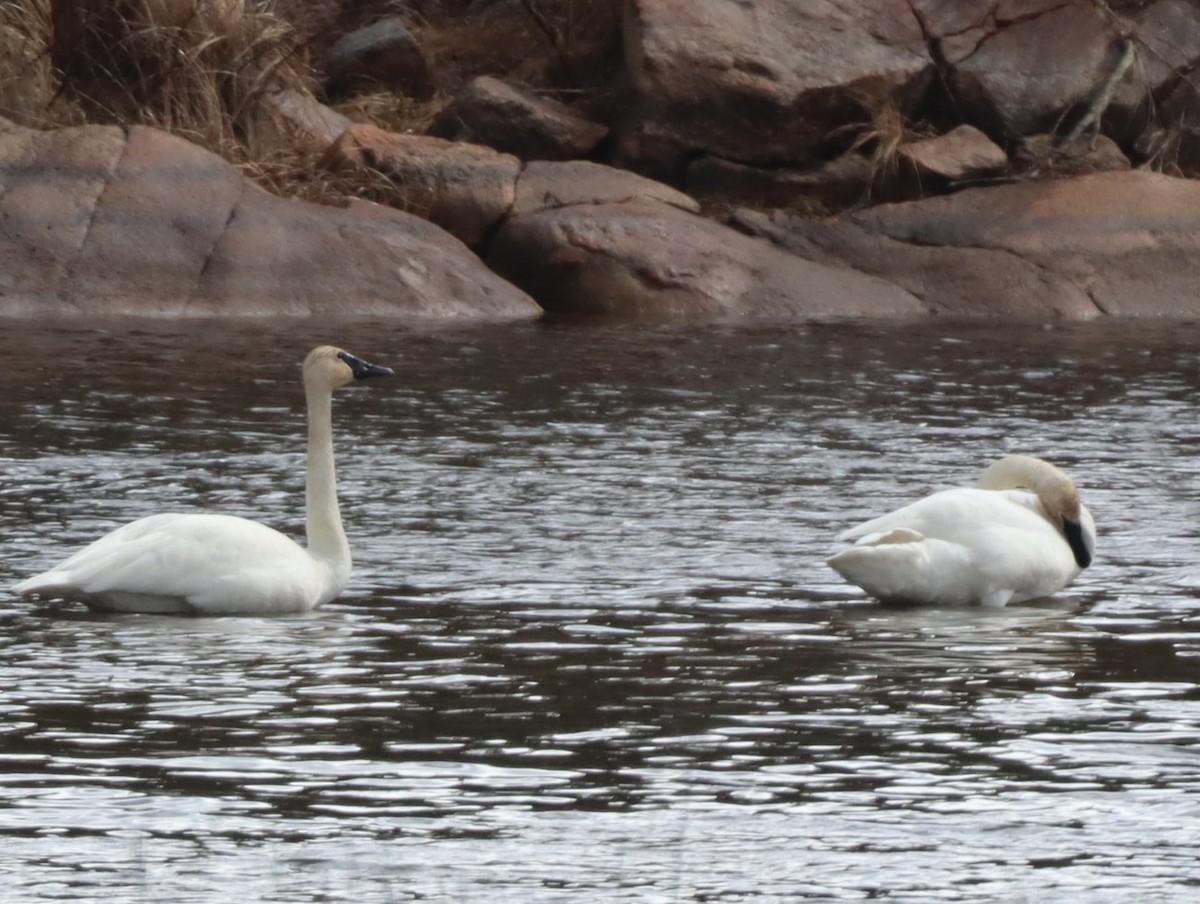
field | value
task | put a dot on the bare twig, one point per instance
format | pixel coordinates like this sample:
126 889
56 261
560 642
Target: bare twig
544 23
1101 96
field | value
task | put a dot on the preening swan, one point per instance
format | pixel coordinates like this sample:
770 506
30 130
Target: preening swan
1022 534
210 564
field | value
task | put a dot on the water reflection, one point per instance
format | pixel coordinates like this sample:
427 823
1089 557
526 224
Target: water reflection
591 647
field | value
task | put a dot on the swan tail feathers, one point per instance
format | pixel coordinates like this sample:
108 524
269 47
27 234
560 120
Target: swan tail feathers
40 583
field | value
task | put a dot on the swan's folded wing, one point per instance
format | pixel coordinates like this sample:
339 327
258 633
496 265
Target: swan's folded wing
84 571
917 516
193 558
902 566
895 535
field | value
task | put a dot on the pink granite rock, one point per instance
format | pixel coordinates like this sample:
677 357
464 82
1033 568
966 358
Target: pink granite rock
501 116
466 189
97 220
1116 243
650 260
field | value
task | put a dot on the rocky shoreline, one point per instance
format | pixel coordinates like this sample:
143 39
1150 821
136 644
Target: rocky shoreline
751 162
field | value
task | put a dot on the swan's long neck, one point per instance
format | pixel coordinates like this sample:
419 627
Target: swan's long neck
1041 477
326 538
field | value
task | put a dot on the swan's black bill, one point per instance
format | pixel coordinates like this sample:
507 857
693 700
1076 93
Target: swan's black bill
364 369
1075 539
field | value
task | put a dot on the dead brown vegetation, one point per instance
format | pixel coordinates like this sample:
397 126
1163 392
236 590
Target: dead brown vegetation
198 71
201 69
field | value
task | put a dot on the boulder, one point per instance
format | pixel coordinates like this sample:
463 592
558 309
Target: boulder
583 239
1025 73
382 55
491 112
291 118
1117 243
95 220
1049 157
1029 66
764 83
50 184
778 84
545 185
466 189
648 260
949 280
959 155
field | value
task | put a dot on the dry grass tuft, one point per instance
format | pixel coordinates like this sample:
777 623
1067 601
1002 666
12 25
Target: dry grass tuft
569 46
881 140
291 172
201 69
393 112
197 69
28 84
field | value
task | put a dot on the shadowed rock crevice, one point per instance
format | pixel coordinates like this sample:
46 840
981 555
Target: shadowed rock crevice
40 257
96 205
212 251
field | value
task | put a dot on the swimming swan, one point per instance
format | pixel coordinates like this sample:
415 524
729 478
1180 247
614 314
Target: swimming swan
1022 534
209 564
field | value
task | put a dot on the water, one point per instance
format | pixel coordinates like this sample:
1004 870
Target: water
591 650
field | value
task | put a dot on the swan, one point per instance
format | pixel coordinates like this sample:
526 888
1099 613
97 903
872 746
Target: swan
1020 535
212 564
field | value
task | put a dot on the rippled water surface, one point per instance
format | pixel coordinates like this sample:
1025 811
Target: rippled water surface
591 651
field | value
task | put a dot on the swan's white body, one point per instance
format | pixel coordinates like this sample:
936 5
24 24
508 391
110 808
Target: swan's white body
212 564
1021 535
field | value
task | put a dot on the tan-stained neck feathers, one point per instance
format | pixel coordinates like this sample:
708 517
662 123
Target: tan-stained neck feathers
324 369
1056 491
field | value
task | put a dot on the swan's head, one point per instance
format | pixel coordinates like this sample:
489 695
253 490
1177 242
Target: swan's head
1064 509
327 367
1057 493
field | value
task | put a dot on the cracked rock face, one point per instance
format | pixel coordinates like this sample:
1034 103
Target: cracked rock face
1024 74
782 83
97 220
